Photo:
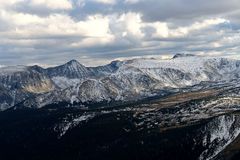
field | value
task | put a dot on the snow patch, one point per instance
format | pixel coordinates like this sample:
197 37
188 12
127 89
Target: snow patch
221 134
70 122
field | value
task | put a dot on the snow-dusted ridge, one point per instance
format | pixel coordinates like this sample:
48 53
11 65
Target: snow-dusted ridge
120 80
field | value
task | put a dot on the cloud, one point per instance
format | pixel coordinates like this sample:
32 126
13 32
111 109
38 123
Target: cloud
49 4
131 1
105 1
166 10
59 4
98 31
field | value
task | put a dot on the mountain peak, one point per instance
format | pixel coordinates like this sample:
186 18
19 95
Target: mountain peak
73 62
36 68
178 55
71 69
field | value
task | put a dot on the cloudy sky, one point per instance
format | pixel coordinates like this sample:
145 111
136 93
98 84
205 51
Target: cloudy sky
51 32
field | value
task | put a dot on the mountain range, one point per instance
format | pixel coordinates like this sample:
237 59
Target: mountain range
119 81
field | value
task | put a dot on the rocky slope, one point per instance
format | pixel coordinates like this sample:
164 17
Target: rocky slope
118 81
186 125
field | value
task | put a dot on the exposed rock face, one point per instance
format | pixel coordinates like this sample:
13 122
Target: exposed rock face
182 55
219 134
118 81
42 86
72 69
20 83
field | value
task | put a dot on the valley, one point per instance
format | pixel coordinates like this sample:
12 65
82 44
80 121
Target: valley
183 108
204 121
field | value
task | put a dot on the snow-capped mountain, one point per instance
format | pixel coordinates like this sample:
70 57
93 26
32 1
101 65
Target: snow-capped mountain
20 82
72 69
118 81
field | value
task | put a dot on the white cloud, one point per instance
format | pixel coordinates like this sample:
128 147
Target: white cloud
183 31
76 31
131 1
55 24
21 19
92 31
80 3
7 3
52 4
105 1
132 24
161 29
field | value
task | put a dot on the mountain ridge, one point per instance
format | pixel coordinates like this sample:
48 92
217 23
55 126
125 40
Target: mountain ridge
126 80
